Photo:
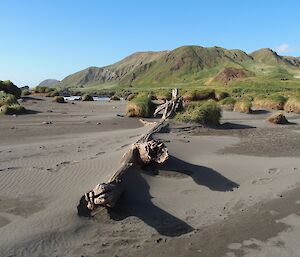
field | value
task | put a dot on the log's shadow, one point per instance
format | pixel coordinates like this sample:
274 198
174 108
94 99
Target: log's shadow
137 200
259 111
233 126
202 175
29 98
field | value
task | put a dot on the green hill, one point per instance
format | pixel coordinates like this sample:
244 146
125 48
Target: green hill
189 66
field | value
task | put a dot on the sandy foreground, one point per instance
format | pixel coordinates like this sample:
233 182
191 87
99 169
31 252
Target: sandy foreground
230 192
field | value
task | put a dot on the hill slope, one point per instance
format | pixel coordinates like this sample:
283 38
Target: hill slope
49 82
185 66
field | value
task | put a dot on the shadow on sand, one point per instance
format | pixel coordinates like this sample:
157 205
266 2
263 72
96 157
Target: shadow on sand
259 111
29 98
230 125
137 200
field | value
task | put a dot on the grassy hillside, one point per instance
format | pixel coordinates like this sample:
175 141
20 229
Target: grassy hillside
189 67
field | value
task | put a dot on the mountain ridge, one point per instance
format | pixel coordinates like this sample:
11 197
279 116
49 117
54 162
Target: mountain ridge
190 64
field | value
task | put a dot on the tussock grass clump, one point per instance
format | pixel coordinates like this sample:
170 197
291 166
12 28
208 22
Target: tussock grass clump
228 103
12 109
115 98
140 106
220 95
199 95
42 89
10 88
59 99
293 104
206 113
9 104
25 92
162 95
52 93
278 118
7 99
275 102
243 105
87 97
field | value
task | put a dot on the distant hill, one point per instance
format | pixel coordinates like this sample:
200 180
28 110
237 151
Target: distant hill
49 82
185 66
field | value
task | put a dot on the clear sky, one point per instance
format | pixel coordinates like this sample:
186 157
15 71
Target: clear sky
43 39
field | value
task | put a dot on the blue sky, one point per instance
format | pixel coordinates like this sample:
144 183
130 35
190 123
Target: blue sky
53 38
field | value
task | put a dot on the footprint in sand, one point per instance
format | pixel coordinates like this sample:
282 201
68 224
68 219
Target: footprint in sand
100 153
273 171
261 181
123 146
61 165
10 169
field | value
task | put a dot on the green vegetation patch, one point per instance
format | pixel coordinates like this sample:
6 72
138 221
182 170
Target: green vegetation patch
43 89
9 104
52 93
243 105
199 94
25 92
140 106
87 97
206 113
220 95
293 104
162 94
273 101
8 87
59 99
228 103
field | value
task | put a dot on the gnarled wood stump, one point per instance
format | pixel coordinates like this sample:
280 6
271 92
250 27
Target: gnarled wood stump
141 153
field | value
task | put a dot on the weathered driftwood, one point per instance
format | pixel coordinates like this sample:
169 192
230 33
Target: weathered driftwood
141 153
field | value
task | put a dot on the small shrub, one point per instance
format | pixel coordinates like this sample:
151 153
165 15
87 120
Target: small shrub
25 92
13 109
115 98
199 95
243 105
42 89
275 102
7 99
293 104
10 88
278 118
206 113
52 93
87 97
140 106
59 99
9 104
228 103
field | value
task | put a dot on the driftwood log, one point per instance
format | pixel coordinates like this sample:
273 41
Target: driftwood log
141 153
